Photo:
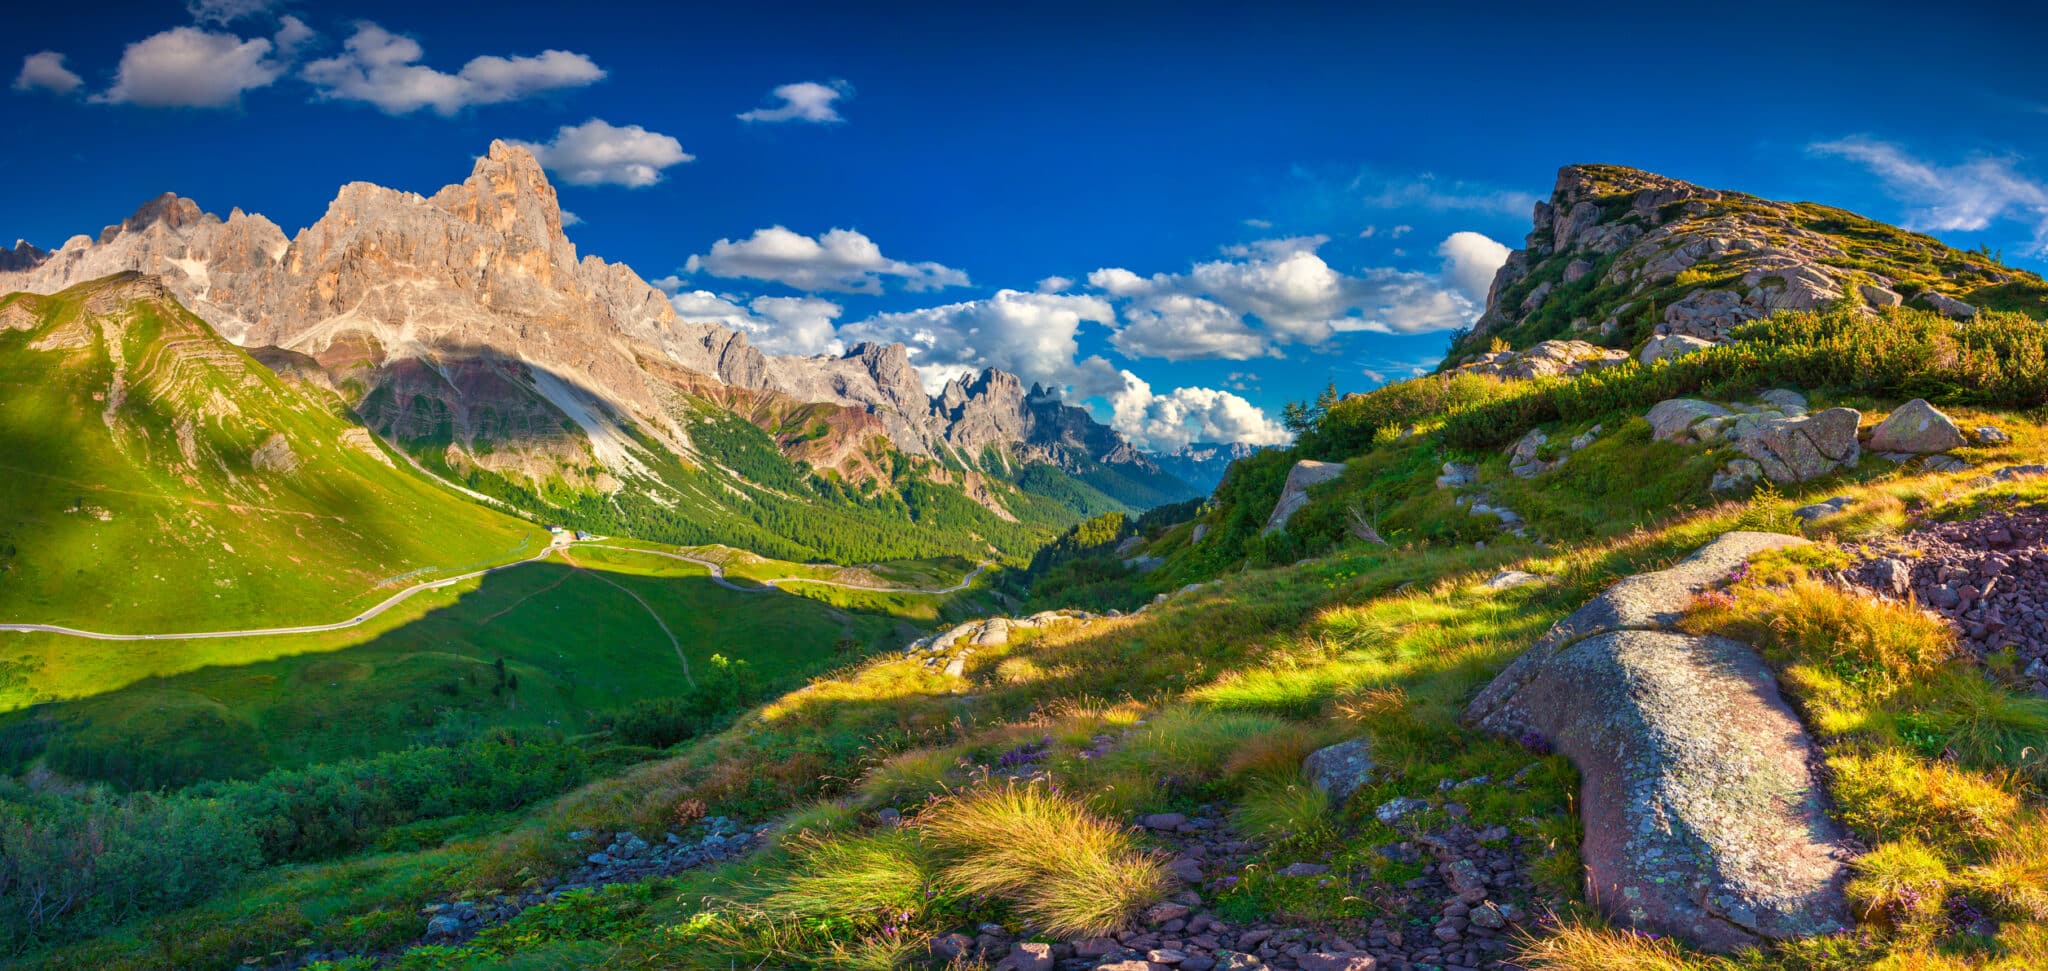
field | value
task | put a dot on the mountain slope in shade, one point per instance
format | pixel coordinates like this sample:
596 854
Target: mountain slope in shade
196 489
464 327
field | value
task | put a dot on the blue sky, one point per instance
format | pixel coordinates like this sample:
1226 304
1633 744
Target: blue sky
1198 212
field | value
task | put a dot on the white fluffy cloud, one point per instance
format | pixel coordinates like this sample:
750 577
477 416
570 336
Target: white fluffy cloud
1168 421
186 67
600 153
1055 284
1966 197
1470 262
383 69
840 259
1032 335
804 101
292 34
45 71
778 325
1279 291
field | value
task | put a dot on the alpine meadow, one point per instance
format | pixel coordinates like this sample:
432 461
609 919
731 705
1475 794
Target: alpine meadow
1110 488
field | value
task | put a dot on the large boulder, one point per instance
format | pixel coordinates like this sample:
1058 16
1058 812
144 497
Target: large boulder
1948 306
1672 419
1340 769
1916 427
1670 346
1801 447
1707 314
1705 818
1294 494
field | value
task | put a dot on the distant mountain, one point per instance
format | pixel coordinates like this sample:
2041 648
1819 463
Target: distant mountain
1630 259
196 489
464 328
1201 464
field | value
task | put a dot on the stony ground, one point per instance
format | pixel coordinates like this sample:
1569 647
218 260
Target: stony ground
1987 575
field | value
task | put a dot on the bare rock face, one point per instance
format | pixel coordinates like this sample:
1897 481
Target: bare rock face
1670 346
1948 306
1917 428
1294 494
1547 359
1705 818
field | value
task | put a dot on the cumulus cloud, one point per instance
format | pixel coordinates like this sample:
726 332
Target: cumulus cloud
804 101
600 153
382 68
571 219
1279 291
1055 284
777 325
840 259
292 34
186 67
1966 197
1167 421
1179 327
1031 335
1470 262
45 71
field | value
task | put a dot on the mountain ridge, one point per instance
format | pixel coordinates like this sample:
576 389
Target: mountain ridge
465 327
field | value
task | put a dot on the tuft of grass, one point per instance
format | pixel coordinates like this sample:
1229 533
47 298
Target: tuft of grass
1904 884
1295 814
1888 794
2015 878
886 873
1575 946
1065 869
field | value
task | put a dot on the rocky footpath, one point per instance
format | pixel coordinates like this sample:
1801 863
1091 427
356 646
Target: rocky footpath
1987 575
1704 814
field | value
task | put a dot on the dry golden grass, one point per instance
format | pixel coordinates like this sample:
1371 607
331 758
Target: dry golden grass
1065 869
1583 947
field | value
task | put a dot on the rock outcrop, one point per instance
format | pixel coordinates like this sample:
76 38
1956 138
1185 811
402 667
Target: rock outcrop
1546 359
1916 428
1704 815
1294 494
1777 437
1628 259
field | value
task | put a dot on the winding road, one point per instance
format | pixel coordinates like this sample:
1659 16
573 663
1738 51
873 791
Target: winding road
717 576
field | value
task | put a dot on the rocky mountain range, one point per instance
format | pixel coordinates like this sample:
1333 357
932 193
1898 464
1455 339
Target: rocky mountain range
1201 464
464 327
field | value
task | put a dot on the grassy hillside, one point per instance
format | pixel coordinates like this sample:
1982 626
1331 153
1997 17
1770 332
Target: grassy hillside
153 477
550 645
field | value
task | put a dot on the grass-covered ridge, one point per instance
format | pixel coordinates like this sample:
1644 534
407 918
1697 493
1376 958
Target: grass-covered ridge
156 478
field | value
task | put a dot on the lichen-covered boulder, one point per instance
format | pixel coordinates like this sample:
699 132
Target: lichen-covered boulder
1705 818
1798 448
1917 428
1340 769
1948 306
1671 419
1668 346
1294 494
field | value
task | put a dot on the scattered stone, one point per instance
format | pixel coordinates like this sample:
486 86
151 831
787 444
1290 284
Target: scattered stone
1456 474
1552 358
1671 347
1303 870
1164 821
1322 961
1822 509
1340 769
1393 810
1510 579
1028 957
1948 306
1916 428
1992 435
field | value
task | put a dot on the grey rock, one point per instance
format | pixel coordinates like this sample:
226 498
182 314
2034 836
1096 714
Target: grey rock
1302 870
1948 306
1918 428
1703 816
1340 769
1800 448
1670 420
1990 435
1736 475
1783 400
1456 474
1398 808
1879 297
1822 509
1671 347
1294 495
1324 961
1510 579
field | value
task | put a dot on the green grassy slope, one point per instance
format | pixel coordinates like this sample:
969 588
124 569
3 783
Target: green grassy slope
132 497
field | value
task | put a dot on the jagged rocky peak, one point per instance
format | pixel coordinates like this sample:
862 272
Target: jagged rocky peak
171 211
1640 262
506 191
24 256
